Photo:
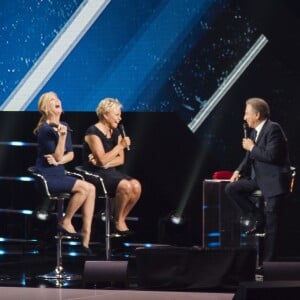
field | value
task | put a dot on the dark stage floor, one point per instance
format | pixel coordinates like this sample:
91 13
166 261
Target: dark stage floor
21 263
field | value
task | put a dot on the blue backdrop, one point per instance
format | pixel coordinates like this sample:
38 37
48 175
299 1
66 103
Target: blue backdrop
158 55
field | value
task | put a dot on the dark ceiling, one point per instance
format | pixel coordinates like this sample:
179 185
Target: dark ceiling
279 20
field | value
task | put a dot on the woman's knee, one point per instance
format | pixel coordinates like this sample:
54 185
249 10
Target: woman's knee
84 187
136 187
124 187
91 188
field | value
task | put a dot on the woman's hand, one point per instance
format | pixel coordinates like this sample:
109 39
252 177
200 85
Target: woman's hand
92 159
62 129
125 142
50 159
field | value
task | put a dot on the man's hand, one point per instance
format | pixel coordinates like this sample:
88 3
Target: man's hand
248 144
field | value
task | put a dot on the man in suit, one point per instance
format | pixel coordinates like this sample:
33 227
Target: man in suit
266 167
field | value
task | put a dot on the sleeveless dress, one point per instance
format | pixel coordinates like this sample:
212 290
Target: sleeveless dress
111 176
47 139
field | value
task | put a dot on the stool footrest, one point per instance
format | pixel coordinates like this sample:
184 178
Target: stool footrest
60 274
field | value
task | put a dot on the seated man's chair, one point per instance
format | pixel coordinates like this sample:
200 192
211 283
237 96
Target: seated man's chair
58 199
258 198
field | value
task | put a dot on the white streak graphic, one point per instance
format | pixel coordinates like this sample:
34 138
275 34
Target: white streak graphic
228 83
54 55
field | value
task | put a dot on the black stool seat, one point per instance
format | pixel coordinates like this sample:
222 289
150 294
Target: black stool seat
61 195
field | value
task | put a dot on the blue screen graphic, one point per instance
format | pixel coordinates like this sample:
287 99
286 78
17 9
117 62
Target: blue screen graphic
158 55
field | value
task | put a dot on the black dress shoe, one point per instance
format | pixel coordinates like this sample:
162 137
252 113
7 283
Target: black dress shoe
74 235
258 227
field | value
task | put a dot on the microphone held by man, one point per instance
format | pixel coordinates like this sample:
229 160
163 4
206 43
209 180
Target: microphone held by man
247 143
245 127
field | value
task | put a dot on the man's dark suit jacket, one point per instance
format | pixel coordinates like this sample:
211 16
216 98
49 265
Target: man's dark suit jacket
270 160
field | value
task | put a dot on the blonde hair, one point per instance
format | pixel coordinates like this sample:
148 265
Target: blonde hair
42 105
107 105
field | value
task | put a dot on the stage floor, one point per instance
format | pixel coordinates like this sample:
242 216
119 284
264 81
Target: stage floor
28 293
19 280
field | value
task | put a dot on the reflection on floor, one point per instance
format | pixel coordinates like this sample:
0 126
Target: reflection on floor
22 262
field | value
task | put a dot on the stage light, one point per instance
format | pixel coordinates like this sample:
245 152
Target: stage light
42 215
26 212
25 178
172 229
245 221
176 219
17 143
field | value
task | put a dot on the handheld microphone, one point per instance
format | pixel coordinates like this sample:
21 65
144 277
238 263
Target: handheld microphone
122 130
245 127
54 125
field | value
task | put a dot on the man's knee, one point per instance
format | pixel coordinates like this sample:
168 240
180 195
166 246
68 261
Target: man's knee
229 188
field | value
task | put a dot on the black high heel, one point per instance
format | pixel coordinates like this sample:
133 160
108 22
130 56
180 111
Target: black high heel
124 232
87 251
74 235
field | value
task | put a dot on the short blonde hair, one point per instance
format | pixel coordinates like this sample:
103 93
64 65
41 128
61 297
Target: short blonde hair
107 105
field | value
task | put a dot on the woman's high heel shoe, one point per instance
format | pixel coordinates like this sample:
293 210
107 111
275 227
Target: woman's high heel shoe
74 235
86 251
124 232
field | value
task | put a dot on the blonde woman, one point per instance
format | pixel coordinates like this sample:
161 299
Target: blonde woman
54 151
103 152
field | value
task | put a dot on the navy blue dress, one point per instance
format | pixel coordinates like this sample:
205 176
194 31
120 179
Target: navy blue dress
111 176
47 139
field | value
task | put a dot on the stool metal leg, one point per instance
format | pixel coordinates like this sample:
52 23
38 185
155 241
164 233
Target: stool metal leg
59 274
107 222
107 228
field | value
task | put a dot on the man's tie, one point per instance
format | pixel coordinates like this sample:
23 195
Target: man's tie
254 139
254 134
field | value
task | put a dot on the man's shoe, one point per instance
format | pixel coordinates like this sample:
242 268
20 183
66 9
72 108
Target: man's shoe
258 227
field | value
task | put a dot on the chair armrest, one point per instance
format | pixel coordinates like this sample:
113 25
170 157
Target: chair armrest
74 174
83 171
37 176
86 174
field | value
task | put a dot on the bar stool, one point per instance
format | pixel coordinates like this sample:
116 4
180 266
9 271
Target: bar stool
102 193
107 270
58 274
258 198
